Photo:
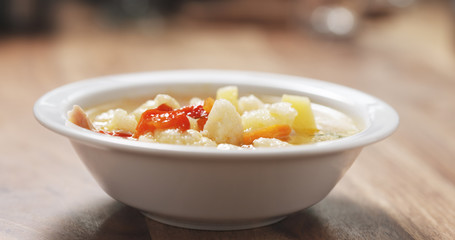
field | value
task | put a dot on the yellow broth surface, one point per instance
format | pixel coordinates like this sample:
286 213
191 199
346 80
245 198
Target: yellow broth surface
331 124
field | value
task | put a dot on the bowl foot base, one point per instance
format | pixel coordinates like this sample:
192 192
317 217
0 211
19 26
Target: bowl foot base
217 226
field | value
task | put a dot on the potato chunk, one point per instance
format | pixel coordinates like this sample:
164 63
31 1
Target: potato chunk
230 93
224 124
304 122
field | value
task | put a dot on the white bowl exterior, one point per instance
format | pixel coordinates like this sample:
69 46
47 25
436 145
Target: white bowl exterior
199 189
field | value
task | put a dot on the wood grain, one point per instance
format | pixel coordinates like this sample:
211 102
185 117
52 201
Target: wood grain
399 188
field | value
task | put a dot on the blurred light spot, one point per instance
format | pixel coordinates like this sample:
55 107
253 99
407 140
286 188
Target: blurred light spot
336 20
340 21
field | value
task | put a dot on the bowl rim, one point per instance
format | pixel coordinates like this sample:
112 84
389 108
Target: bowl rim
51 108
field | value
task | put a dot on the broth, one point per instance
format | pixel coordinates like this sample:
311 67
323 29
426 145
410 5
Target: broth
331 124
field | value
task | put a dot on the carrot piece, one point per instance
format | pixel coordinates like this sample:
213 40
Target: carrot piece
208 104
279 131
201 123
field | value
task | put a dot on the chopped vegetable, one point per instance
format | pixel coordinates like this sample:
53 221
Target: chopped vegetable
230 93
229 122
208 104
270 114
304 122
275 131
224 124
164 117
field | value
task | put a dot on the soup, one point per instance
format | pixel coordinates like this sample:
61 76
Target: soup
225 121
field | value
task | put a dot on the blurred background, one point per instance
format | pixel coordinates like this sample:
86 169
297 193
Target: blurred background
330 18
358 43
353 42
334 18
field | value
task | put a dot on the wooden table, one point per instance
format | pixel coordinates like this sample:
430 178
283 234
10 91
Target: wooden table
400 188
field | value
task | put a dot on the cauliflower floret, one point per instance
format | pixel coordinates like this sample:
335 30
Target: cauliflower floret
175 136
249 103
116 119
282 112
144 107
166 99
269 142
270 114
224 124
159 99
196 101
256 119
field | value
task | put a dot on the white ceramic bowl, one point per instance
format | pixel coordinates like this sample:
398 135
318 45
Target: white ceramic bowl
206 188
